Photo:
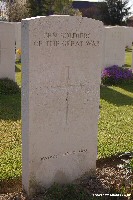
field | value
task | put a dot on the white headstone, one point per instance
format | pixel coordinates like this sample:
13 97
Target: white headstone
129 41
18 35
17 26
114 48
61 63
129 36
7 50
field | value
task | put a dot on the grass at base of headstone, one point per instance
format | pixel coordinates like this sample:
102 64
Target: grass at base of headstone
18 73
128 58
10 128
10 136
68 192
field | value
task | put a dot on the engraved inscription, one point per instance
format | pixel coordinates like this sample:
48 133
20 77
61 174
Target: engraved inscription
67 35
66 40
65 154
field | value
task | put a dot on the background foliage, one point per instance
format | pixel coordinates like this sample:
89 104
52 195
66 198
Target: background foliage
115 12
16 11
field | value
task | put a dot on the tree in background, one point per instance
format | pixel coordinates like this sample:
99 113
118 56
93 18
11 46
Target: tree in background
115 12
49 7
16 11
63 7
38 7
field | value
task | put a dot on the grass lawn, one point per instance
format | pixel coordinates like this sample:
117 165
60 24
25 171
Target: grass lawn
116 120
18 73
128 58
115 133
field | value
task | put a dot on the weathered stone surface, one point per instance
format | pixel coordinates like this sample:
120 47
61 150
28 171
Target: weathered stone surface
61 63
7 50
114 52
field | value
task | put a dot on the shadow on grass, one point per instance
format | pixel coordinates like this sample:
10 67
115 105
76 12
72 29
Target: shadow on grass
127 66
17 69
128 50
114 97
127 87
18 61
10 107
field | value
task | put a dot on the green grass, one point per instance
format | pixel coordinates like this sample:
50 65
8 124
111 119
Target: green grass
115 126
10 136
128 58
10 133
18 73
8 87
